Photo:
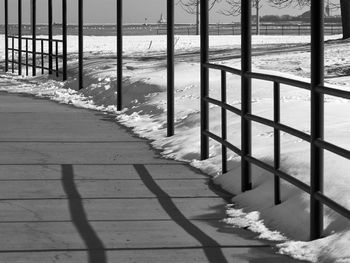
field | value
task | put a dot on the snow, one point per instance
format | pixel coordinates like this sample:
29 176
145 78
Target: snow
145 113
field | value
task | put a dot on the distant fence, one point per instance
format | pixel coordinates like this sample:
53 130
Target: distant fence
22 51
265 29
214 29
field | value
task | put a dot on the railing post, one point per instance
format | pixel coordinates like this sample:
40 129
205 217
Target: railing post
277 141
6 36
42 56
64 38
119 55
170 68
246 57
50 34
19 37
317 115
204 107
33 22
223 121
81 43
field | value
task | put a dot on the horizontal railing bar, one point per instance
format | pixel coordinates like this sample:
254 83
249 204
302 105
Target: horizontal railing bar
223 142
333 148
334 92
279 79
332 204
223 105
38 53
279 173
223 68
280 127
37 66
38 39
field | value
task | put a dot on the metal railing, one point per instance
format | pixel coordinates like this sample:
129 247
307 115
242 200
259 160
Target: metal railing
235 29
21 56
30 55
315 139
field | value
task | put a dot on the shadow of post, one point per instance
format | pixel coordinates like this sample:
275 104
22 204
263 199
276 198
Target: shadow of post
211 248
96 251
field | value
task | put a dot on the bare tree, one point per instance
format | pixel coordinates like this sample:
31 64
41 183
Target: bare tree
235 10
192 7
344 7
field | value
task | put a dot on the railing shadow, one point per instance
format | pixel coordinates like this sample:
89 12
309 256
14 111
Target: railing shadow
96 250
211 248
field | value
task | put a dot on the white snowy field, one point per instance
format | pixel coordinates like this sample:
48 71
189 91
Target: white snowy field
145 112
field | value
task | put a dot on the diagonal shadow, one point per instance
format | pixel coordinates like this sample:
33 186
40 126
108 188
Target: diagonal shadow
96 250
211 248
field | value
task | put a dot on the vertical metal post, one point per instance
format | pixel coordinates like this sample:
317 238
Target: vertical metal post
119 55
6 36
42 56
13 54
50 22
170 62
33 24
204 107
317 115
277 140
246 93
223 122
19 37
64 38
56 58
27 57
81 43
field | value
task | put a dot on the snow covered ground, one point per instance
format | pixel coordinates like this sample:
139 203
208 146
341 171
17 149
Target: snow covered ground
145 112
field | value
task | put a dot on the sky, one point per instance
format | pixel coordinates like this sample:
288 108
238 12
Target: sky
135 11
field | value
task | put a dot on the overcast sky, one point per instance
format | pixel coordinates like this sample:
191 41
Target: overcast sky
135 11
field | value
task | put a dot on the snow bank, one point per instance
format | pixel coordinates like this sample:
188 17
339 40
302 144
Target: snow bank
145 112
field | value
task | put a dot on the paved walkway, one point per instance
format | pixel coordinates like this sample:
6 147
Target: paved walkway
76 187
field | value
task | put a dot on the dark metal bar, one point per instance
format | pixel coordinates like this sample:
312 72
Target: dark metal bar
333 205
170 62
334 92
281 174
13 55
57 71
81 43
204 107
246 57
221 67
42 57
6 36
332 148
27 73
119 54
281 80
223 105
50 22
317 116
279 126
19 37
277 142
64 38
223 121
225 143
33 24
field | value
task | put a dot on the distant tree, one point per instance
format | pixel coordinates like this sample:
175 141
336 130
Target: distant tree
235 10
344 7
193 7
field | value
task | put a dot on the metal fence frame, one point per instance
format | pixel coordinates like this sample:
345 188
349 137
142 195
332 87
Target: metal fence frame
33 39
316 138
119 29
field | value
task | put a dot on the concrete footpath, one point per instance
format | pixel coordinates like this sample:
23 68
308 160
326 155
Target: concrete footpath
76 187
